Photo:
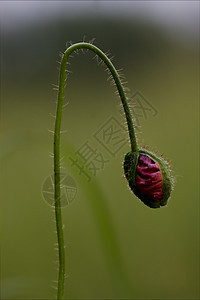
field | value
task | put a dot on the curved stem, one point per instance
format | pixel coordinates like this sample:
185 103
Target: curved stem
58 215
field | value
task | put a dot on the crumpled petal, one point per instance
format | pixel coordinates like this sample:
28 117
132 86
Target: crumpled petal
149 178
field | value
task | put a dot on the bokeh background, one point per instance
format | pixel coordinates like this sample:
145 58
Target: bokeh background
116 247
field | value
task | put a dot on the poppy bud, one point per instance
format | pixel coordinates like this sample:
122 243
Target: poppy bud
148 177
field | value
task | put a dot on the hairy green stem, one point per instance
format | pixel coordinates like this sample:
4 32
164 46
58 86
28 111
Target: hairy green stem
58 215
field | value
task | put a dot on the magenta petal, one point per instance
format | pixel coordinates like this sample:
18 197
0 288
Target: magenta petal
149 178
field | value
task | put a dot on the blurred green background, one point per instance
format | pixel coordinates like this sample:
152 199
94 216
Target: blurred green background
116 247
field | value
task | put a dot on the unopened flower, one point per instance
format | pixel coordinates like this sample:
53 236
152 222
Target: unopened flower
148 177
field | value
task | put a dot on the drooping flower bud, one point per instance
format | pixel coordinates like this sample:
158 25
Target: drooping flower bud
148 177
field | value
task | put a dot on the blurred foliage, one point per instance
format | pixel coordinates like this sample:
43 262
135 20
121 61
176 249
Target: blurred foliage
136 43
